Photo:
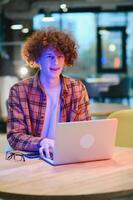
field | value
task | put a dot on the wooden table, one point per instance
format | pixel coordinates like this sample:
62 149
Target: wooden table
105 109
35 179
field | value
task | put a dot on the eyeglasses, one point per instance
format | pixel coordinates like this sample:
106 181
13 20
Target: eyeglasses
20 155
16 155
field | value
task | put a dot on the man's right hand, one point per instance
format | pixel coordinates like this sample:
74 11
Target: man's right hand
47 147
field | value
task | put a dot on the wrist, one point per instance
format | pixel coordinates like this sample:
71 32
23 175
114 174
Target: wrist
40 143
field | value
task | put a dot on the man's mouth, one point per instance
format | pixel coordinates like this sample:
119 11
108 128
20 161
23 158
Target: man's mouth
55 69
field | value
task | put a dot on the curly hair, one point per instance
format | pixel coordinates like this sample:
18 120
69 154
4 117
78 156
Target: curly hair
49 37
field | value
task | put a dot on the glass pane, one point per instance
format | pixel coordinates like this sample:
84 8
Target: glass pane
111 19
129 47
82 26
39 22
111 42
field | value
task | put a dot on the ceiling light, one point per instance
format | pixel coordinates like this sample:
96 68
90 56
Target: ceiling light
63 6
46 15
48 18
65 9
25 30
16 26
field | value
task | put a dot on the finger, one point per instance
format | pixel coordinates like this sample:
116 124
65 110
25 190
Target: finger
41 151
47 151
51 147
51 150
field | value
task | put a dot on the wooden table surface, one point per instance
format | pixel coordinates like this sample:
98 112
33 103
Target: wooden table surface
105 109
36 179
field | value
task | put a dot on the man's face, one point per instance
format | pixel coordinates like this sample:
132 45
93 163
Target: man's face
51 63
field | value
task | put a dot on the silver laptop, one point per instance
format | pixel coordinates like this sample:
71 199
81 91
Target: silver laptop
83 141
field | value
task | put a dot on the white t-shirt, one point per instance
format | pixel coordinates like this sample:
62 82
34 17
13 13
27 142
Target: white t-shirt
52 115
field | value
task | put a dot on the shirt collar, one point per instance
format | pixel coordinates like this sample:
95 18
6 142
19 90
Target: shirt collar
64 81
37 83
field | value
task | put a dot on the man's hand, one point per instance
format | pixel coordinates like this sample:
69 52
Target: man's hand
47 147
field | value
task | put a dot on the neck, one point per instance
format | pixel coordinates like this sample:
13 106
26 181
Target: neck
49 83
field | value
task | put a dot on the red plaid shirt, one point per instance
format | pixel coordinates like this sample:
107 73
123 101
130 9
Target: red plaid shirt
27 108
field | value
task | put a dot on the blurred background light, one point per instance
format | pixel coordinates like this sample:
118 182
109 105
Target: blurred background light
16 26
112 47
63 7
25 30
23 71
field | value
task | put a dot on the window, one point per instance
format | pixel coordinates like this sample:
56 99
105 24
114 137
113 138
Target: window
111 49
83 27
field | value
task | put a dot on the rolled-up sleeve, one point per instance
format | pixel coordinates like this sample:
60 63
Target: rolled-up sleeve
84 104
18 135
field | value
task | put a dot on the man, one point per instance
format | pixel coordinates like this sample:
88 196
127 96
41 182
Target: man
36 104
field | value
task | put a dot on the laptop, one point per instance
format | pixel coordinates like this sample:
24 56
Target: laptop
83 141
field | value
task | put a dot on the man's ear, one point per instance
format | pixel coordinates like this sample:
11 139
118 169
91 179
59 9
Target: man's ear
38 61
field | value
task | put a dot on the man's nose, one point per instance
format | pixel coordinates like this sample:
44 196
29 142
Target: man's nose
55 60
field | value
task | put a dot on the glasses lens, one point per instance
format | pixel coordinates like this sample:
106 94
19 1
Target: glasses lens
18 157
9 155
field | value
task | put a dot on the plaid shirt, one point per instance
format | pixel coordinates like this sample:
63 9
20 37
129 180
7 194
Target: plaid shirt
27 108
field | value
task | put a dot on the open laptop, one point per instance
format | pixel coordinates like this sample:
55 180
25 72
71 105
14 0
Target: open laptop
83 141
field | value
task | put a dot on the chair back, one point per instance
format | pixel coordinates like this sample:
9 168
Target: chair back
124 135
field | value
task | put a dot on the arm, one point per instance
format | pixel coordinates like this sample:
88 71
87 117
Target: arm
18 135
80 106
83 104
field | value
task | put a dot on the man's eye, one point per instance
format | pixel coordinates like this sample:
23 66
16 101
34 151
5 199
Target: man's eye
49 56
60 56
